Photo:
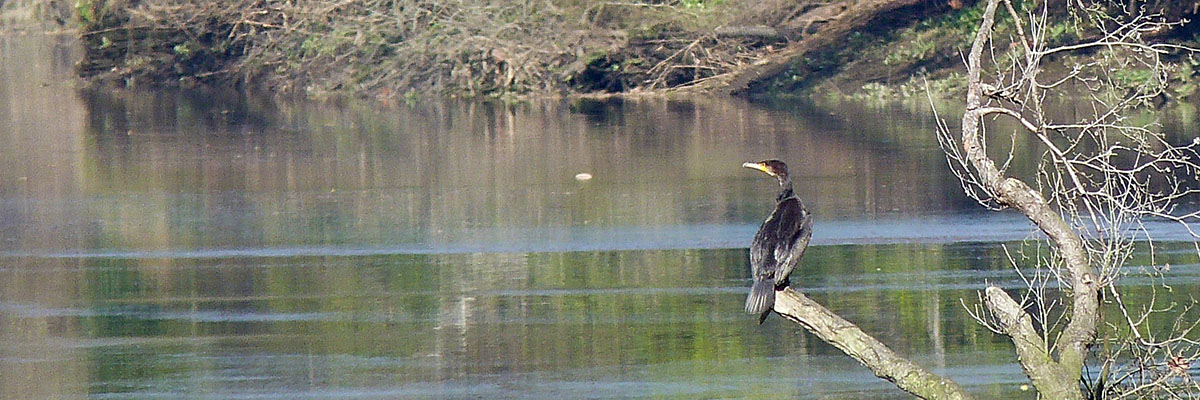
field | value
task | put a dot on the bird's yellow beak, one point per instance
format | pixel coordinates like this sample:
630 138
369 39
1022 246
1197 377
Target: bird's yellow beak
758 166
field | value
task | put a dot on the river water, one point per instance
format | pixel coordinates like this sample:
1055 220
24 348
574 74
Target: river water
162 244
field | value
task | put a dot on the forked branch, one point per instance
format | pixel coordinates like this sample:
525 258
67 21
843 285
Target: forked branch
1099 180
1072 345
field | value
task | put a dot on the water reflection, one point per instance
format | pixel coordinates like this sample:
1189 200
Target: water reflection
209 245
667 322
171 171
543 325
39 125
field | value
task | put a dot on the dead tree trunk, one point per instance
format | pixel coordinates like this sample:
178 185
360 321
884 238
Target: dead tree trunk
1054 377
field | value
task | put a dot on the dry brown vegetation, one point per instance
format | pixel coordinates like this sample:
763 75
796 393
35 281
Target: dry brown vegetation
473 48
495 48
469 47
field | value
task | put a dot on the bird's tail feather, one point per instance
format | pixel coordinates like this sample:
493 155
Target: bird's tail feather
762 297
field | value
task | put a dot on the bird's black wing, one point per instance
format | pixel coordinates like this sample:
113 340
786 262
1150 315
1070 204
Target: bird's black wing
762 249
792 232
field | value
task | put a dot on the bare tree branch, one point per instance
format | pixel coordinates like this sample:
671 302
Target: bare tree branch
1081 329
1099 180
875 355
1031 349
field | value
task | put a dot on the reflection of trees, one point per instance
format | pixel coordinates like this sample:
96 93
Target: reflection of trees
194 174
550 312
456 317
39 126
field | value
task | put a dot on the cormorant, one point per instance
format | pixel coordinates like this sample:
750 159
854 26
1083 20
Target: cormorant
780 242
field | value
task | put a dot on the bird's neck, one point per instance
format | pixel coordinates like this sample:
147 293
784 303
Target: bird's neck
785 190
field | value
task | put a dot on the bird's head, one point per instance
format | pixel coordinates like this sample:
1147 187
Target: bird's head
773 168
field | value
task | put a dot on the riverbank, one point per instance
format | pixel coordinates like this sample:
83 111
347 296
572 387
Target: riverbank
477 48
504 49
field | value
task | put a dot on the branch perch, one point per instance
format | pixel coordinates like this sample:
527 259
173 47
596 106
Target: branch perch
872 353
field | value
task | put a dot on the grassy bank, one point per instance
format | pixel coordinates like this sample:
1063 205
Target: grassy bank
927 56
469 48
495 48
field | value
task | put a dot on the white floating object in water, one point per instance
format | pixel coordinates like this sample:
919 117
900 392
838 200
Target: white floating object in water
583 176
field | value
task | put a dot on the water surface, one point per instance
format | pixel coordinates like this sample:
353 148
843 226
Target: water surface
207 245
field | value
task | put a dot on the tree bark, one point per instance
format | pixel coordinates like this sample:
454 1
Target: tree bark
850 339
1054 379
1045 374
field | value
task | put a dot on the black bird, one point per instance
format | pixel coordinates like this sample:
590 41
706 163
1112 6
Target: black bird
780 242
